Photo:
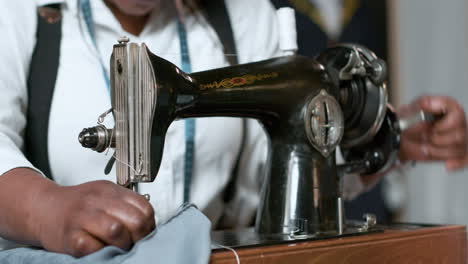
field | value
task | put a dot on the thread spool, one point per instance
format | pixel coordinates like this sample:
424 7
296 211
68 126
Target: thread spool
287 30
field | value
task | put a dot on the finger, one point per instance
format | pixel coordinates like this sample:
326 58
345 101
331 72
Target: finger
134 220
140 202
108 229
437 153
451 121
418 133
456 139
436 104
81 243
412 150
453 113
137 200
456 164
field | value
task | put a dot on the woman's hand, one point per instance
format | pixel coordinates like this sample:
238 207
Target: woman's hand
444 140
76 220
82 219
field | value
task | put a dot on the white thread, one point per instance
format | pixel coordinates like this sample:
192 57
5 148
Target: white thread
110 141
230 249
126 164
178 54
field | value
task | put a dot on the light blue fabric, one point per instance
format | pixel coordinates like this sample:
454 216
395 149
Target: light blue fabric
183 239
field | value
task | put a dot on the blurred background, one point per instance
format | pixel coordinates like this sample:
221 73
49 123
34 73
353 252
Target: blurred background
428 53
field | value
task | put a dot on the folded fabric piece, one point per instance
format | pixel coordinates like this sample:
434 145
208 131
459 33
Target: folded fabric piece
185 238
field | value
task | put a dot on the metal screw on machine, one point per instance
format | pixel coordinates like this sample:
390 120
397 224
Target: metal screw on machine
123 40
370 220
98 138
134 187
324 123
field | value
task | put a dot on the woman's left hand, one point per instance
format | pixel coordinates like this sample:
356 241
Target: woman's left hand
445 139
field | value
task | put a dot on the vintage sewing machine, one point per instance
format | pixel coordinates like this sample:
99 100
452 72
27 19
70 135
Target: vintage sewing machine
308 107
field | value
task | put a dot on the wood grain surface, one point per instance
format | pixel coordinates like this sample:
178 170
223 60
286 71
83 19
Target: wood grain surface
434 245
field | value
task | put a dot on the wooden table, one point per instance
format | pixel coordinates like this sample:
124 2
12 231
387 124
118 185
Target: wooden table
442 244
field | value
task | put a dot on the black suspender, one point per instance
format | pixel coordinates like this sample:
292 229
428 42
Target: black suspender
41 84
44 67
218 16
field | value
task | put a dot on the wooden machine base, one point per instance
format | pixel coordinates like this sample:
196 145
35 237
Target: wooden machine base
425 245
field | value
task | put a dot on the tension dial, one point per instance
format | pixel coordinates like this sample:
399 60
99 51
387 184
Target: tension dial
324 123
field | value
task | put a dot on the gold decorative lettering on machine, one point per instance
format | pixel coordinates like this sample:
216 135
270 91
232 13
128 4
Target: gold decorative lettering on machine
239 81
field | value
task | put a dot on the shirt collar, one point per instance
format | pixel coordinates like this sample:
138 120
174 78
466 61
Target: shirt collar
101 13
103 16
48 2
72 5
69 4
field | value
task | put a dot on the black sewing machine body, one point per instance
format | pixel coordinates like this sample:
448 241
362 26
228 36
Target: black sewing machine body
308 107
276 92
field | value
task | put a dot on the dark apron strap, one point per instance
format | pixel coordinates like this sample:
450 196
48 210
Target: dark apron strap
218 16
41 84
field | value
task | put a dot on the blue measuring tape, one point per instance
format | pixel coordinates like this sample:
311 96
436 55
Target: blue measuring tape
85 7
189 123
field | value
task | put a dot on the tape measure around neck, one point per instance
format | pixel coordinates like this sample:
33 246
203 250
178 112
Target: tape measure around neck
85 7
189 123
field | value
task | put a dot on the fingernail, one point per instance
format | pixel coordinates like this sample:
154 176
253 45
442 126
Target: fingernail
425 151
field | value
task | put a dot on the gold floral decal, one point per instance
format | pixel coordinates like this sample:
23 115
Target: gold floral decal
238 81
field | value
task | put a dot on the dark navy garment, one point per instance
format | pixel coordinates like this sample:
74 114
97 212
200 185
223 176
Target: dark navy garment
366 27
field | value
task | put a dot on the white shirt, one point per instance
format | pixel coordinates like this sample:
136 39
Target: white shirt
83 96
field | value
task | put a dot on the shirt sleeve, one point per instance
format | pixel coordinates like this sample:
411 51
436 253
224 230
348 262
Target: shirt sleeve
18 26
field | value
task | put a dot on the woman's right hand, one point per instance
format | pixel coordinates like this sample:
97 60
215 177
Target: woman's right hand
82 219
76 220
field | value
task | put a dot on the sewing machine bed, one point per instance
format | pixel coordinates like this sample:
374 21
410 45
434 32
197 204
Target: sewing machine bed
249 238
398 243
